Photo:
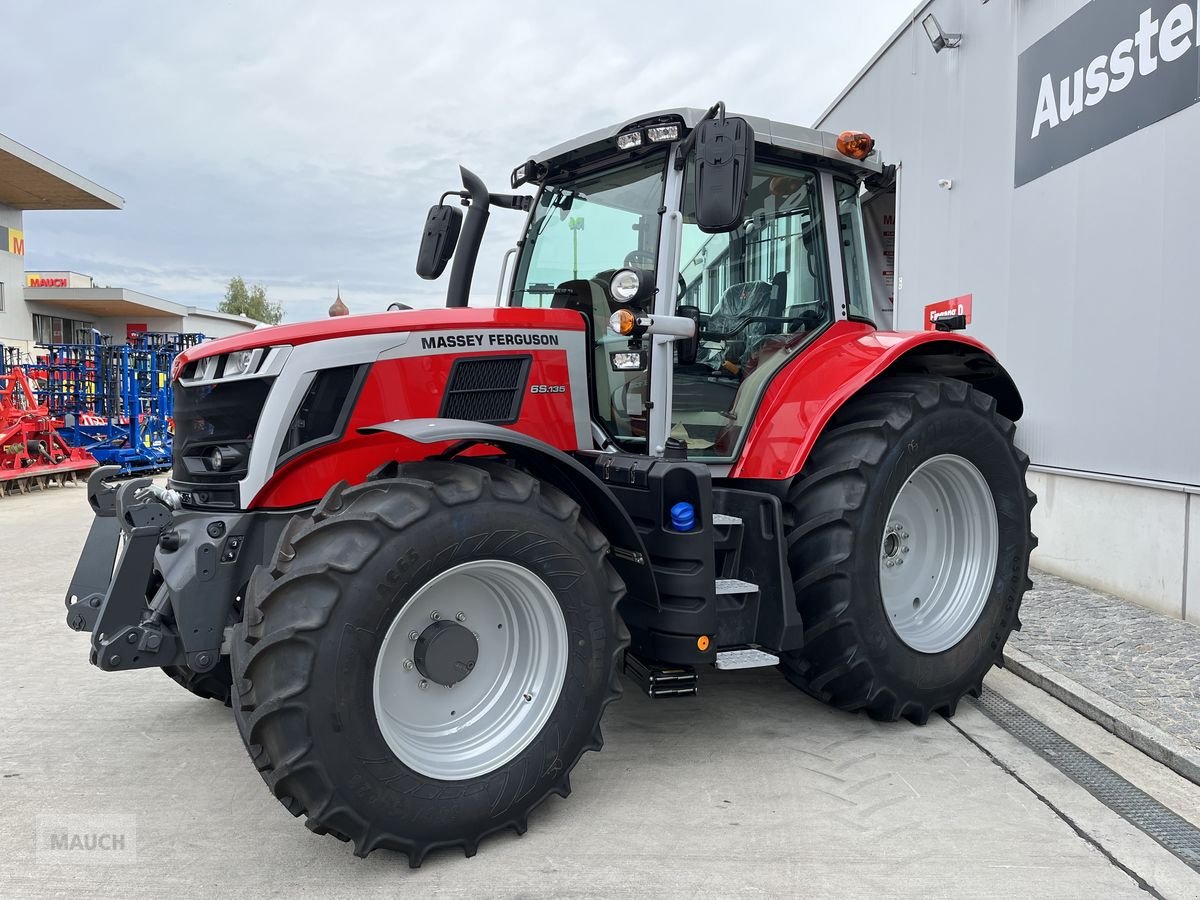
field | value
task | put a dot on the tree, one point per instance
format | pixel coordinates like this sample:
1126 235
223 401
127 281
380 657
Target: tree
251 302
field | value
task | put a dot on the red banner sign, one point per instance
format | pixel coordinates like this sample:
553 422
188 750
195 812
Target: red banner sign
955 306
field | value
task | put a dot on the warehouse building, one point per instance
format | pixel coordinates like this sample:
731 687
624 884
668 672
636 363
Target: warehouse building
44 307
1044 189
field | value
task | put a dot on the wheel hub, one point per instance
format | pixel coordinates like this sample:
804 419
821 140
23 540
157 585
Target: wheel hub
937 556
446 653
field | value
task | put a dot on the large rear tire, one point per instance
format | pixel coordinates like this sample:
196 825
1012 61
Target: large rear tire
414 743
909 541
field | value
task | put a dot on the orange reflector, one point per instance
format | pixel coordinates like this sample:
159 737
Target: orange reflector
621 322
702 643
855 144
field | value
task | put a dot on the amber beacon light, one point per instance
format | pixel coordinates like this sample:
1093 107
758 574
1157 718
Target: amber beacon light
855 144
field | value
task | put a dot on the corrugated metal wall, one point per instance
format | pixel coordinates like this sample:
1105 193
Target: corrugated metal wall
1086 281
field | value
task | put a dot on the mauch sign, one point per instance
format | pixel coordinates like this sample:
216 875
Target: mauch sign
1113 67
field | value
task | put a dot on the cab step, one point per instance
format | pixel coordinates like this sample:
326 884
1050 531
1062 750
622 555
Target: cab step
722 519
745 658
735 586
660 679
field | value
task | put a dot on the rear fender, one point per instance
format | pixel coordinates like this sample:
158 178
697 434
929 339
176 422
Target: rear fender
628 554
804 396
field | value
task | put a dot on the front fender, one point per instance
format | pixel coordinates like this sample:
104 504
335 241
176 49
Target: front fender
806 393
628 554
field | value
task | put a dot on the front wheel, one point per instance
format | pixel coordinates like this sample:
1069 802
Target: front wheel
909 543
430 656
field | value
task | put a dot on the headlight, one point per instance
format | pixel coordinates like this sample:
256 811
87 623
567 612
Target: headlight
628 360
238 363
624 285
216 459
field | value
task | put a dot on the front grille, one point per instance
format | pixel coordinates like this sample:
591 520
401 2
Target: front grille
486 390
218 414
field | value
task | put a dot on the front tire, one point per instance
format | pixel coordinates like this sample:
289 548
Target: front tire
413 744
909 542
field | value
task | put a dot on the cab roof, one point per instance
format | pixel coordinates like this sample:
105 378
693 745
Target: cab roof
795 139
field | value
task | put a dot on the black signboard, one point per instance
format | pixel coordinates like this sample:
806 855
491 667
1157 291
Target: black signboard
1112 68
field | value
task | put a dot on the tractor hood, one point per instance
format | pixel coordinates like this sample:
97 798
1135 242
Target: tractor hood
404 322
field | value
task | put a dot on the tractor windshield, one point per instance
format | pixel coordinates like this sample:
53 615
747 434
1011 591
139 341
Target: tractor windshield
581 232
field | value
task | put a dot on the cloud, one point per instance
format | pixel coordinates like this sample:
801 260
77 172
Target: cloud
299 145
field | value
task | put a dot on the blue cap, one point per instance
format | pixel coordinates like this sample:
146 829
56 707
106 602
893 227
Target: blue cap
683 516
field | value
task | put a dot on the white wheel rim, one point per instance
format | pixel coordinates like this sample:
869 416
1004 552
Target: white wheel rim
937 557
483 721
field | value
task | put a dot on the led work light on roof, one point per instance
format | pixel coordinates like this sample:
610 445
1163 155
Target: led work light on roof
855 144
660 133
629 140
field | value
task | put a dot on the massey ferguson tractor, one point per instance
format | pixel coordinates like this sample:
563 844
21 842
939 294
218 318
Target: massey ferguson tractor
415 551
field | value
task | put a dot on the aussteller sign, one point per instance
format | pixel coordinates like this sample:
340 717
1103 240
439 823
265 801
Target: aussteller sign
1112 68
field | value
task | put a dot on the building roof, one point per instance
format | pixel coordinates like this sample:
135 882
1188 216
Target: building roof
796 138
104 303
29 180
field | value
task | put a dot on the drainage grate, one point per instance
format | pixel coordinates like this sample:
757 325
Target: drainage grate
1171 830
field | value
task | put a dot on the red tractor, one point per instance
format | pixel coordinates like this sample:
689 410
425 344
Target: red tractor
416 550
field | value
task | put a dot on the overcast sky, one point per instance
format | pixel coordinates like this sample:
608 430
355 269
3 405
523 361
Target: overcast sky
300 144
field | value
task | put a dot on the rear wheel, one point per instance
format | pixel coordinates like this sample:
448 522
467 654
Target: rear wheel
429 657
909 543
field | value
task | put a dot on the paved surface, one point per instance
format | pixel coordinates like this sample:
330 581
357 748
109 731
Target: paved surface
1143 662
751 789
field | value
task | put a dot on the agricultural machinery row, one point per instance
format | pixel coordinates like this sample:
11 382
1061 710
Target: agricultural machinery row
76 406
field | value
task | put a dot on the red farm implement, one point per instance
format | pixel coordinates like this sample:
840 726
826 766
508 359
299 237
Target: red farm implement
32 453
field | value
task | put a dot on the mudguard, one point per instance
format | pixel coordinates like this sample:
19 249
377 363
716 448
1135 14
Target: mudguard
805 394
628 554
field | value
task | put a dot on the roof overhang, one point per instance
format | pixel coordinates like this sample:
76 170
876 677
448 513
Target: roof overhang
29 180
104 303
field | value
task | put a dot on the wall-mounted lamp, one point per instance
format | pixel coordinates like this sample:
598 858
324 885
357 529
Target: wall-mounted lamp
941 40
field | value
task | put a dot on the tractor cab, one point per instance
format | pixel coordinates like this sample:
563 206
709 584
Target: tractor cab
747 228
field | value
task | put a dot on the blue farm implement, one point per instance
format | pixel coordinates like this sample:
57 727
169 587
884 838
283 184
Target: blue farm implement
114 402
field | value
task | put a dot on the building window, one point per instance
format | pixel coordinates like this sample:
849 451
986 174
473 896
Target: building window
1 296
53 330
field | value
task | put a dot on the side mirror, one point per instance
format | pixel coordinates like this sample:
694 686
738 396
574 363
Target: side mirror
438 240
724 159
687 348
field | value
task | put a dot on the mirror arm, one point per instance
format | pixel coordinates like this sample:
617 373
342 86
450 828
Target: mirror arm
522 202
682 154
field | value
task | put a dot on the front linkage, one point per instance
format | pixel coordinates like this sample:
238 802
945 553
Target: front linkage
157 585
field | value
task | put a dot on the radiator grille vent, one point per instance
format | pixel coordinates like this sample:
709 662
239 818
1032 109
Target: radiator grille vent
486 390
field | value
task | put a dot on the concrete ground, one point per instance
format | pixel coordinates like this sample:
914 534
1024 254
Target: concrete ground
749 789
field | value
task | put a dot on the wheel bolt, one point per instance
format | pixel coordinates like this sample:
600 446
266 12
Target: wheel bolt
890 563
904 535
460 617
422 684
900 562
412 635
904 549
408 664
435 615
